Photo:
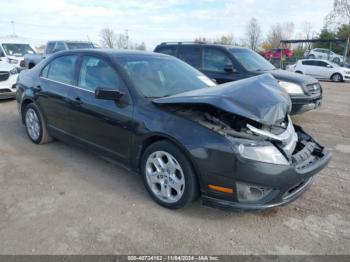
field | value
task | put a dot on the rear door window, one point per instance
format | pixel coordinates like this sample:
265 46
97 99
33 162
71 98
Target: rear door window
190 54
215 60
309 63
62 69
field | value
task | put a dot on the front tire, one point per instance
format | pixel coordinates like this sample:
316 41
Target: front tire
36 125
337 77
312 56
168 175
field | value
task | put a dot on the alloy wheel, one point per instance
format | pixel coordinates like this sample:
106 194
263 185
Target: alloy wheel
32 124
165 176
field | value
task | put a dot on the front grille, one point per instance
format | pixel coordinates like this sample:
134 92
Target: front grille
314 89
4 75
6 90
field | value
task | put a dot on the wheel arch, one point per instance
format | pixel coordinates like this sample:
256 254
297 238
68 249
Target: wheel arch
151 139
337 73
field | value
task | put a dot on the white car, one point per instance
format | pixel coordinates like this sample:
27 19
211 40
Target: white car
13 50
8 78
322 53
321 69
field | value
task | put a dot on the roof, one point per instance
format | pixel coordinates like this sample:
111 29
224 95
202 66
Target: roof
201 44
110 52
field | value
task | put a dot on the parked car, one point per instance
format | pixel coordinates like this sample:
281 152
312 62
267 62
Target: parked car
226 63
278 53
233 144
322 53
52 47
13 50
8 78
321 69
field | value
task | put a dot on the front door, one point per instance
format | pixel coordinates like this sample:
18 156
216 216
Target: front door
215 60
103 124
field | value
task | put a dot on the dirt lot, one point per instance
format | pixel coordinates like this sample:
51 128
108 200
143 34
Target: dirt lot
58 199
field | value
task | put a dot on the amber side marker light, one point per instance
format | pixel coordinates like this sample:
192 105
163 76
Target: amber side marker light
221 189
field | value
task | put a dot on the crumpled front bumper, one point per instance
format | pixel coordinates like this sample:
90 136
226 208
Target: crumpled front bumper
288 182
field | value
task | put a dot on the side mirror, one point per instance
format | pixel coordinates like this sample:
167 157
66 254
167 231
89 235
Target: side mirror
329 66
229 69
108 94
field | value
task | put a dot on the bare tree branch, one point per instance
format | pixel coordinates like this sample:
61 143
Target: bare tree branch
253 34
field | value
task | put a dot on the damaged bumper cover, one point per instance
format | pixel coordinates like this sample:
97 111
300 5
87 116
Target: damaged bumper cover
287 182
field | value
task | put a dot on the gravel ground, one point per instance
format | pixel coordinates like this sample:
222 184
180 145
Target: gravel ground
58 199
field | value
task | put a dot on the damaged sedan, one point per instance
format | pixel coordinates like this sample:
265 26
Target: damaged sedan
234 145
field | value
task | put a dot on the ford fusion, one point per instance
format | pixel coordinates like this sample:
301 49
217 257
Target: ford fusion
232 144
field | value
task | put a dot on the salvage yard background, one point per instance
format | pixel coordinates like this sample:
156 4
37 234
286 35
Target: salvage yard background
58 199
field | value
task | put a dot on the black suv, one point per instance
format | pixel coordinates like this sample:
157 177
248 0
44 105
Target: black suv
226 63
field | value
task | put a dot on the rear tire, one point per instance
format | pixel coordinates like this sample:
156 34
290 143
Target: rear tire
35 125
168 175
311 56
337 77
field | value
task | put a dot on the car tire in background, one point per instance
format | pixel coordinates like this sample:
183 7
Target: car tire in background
168 175
299 72
336 60
312 56
337 77
35 125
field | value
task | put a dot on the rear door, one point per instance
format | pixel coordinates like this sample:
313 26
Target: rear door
52 90
104 124
191 54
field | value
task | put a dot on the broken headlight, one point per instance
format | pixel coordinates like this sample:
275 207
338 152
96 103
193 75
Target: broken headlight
267 153
291 88
250 193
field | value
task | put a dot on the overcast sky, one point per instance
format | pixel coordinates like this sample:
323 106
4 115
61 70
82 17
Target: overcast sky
153 21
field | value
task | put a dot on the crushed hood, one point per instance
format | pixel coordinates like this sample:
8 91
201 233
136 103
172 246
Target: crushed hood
258 98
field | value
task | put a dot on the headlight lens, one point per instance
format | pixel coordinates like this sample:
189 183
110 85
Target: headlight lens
263 153
250 192
291 88
12 61
14 71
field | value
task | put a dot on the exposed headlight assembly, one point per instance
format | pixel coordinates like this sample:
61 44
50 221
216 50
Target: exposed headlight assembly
251 193
267 153
291 88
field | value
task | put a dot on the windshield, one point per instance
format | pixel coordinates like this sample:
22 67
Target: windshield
333 64
163 76
250 60
17 49
79 45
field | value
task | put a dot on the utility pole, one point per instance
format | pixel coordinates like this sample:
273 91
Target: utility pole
13 27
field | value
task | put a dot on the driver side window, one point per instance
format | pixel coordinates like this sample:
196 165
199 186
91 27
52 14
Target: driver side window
215 60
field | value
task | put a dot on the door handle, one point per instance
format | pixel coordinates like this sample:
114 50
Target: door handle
77 101
37 88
